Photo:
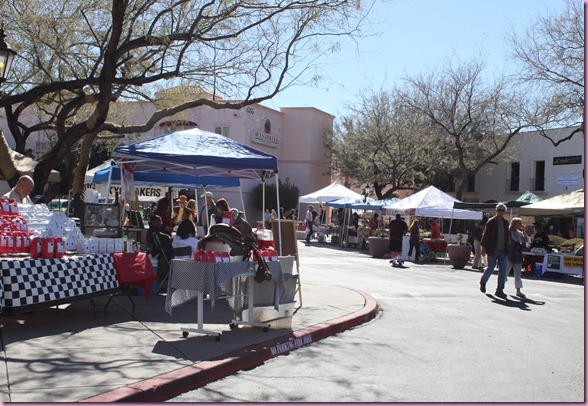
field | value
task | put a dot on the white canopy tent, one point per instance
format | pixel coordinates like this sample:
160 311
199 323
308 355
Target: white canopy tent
567 204
329 193
432 202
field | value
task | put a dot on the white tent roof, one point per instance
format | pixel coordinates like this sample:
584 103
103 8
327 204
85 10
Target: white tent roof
89 178
568 204
332 192
432 202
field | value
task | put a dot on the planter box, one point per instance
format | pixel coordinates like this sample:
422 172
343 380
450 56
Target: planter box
378 246
459 255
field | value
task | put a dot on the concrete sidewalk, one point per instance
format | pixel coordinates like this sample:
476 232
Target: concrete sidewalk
67 355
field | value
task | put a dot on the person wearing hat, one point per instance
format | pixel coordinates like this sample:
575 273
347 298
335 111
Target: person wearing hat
181 211
207 210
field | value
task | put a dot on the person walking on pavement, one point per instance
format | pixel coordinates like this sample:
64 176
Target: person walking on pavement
518 240
398 228
309 223
495 243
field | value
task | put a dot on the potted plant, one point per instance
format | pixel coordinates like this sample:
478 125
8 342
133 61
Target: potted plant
459 254
378 243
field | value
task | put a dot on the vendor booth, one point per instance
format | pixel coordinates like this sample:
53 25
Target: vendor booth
198 153
431 202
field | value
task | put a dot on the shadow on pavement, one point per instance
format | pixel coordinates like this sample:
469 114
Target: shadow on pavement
515 301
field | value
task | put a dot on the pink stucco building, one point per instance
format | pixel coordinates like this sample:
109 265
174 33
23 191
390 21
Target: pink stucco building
295 135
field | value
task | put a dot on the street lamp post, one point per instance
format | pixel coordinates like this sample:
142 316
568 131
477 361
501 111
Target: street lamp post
366 192
7 55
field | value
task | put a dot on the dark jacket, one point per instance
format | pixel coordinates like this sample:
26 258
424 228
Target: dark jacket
489 237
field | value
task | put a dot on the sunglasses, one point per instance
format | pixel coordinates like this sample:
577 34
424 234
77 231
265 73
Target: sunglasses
499 209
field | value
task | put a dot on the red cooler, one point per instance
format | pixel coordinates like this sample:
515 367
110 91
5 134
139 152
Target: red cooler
48 247
59 248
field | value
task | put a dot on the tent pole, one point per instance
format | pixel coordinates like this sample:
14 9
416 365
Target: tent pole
279 217
242 202
263 204
206 210
108 183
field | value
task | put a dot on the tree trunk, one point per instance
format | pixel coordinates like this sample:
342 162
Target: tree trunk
8 168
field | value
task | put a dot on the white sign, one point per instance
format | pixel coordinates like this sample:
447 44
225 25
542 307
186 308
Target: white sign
570 179
265 139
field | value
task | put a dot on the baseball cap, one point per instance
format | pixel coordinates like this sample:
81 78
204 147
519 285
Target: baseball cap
206 194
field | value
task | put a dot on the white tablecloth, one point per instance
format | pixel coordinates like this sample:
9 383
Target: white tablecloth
188 277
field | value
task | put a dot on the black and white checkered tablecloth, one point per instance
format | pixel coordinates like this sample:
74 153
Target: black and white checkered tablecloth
27 283
188 277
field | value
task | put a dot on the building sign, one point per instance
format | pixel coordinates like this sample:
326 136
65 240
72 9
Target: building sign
265 139
145 193
569 179
567 160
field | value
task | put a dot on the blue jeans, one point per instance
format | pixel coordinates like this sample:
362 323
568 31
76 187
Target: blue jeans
500 258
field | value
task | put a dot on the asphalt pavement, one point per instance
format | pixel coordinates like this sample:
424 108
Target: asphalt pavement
66 354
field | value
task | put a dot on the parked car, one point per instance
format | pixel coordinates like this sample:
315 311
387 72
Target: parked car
59 205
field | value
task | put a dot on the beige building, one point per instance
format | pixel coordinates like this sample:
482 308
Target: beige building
533 163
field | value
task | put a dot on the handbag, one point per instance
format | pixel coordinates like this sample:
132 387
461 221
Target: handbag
515 253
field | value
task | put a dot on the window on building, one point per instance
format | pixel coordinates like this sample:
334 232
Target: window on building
515 173
472 184
539 182
222 131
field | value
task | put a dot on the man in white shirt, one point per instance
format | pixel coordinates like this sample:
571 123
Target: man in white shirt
20 192
309 223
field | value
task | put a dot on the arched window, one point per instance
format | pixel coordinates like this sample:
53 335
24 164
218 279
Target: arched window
267 126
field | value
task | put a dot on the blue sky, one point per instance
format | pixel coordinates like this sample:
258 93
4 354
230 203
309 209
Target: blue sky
414 36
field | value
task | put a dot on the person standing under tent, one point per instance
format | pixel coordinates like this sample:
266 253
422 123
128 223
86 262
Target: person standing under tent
192 206
398 228
415 240
322 215
163 212
207 210
309 223
476 235
181 212
435 229
266 219
495 243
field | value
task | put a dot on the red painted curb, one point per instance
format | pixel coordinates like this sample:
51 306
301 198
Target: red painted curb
174 383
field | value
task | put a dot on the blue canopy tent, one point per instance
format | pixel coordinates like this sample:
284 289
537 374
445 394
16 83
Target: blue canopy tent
359 204
112 175
168 179
199 153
